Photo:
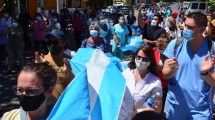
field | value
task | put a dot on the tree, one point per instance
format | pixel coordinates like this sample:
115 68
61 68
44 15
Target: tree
212 3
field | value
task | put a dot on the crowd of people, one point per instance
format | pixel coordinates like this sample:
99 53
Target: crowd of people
176 62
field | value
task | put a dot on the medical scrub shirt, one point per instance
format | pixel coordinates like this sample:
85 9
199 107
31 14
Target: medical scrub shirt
189 96
121 32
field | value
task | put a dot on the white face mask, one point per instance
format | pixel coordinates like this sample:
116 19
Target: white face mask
154 23
140 64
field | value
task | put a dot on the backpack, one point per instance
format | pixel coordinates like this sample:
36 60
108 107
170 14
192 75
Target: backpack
180 39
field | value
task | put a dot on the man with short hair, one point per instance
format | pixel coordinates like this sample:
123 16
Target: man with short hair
153 31
190 70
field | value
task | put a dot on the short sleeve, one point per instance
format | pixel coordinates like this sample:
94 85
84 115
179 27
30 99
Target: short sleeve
169 51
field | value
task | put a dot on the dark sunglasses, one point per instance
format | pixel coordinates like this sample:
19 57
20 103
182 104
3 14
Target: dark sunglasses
144 59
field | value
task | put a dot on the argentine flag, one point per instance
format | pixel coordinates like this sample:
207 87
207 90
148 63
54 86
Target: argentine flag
95 93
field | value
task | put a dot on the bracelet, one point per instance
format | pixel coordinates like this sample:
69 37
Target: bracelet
204 73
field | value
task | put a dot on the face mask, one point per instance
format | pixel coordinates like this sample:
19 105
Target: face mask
154 23
143 17
6 15
121 21
31 103
54 20
14 24
102 22
161 51
38 18
52 10
188 34
141 65
55 49
130 14
93 33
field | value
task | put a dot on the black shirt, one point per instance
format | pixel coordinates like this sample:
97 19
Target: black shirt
152 33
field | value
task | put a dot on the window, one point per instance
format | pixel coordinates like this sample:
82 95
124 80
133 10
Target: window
194 6
202 6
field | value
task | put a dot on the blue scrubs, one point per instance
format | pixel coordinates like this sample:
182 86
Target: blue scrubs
106 33
121 33
189 96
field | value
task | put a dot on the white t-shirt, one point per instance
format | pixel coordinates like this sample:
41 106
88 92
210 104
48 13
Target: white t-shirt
137 94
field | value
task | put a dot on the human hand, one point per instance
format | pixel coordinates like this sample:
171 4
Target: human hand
39 58
207 64
119 46
66 67
173 63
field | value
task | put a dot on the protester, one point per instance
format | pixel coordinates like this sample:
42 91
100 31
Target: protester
95 41
105 31
142 83
78 27
39 33
120 37
161 45
15 46
34 86
131 19
172 30
54 24
58 60
3 41
24 20
64 13
153 31
190 70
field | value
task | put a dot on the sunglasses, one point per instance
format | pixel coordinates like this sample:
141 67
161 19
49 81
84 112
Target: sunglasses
144 59
28 91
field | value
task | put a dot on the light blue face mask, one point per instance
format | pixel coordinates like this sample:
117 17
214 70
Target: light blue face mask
94 33
14 24
121 21
54 20
38 18
102 22
188 34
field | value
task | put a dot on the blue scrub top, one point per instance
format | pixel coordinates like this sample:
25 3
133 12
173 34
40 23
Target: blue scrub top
121 32
188 88
106 32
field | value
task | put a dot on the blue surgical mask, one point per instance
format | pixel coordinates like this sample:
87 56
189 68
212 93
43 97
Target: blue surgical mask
121 21
94 33
102 22
14 24
54 20
38 18
188 34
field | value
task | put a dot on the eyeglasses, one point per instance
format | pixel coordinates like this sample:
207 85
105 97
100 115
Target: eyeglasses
28 91
144 59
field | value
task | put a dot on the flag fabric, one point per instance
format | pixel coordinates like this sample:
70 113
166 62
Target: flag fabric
97 91
134 43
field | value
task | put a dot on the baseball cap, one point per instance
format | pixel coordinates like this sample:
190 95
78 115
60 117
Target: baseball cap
174 13
56 33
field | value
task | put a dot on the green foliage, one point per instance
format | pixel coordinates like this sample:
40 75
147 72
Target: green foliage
212 3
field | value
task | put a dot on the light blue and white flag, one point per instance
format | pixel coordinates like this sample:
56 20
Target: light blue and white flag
96 92
134 43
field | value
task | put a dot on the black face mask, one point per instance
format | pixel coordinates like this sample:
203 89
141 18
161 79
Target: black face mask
55 49
31 103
